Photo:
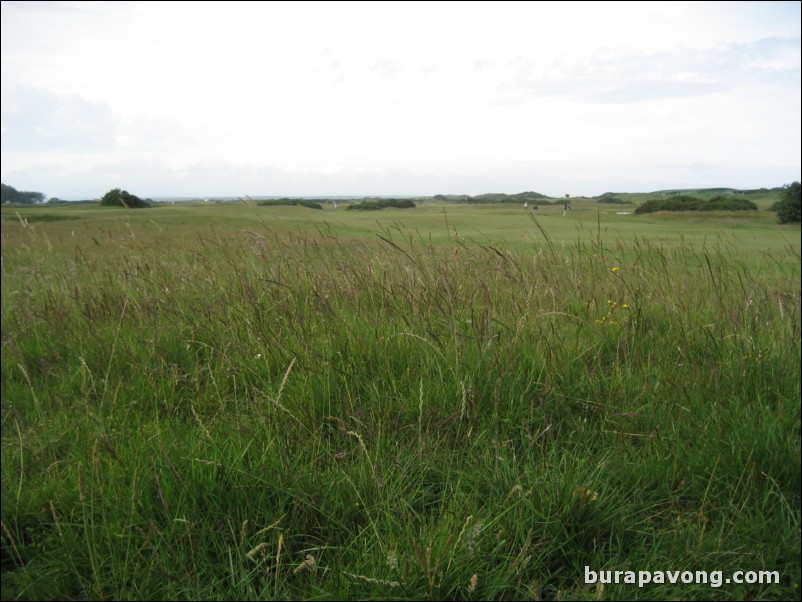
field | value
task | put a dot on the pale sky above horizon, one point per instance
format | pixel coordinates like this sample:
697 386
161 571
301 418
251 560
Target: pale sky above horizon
398 98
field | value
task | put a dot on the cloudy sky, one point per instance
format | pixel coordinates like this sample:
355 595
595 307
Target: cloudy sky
341 98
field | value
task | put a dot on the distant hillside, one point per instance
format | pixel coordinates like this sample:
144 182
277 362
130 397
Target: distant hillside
762 197
695 190
493 197
715 190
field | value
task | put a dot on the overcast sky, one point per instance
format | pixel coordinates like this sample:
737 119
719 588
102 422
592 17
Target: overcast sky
229 98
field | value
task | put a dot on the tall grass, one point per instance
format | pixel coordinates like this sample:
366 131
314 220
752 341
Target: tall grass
297 416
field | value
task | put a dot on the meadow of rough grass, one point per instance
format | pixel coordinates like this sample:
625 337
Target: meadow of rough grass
238 404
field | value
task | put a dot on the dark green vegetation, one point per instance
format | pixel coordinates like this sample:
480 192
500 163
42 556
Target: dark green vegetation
383 204
789 207
691 203
238 402
122 198
12 196
290 203
495 197
611 199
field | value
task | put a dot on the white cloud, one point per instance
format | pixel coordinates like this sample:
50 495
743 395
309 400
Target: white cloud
411 95
35 119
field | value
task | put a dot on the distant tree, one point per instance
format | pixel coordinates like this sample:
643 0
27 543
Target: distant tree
789 207
9 194
122 198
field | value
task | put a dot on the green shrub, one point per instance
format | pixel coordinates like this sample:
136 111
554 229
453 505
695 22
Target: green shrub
374 205
690 203
122 198
675 203
728 203
789 207
291 203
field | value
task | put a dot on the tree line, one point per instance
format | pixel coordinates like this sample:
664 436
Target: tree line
12 196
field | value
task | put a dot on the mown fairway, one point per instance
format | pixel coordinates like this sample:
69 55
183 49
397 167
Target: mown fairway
225 401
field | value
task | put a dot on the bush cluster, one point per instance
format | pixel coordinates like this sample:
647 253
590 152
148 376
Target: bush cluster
291 202
689 203
122 198
383 204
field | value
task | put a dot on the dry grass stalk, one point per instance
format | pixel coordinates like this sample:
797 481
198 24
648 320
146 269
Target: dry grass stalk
7 533
307 564
259 549
373 580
